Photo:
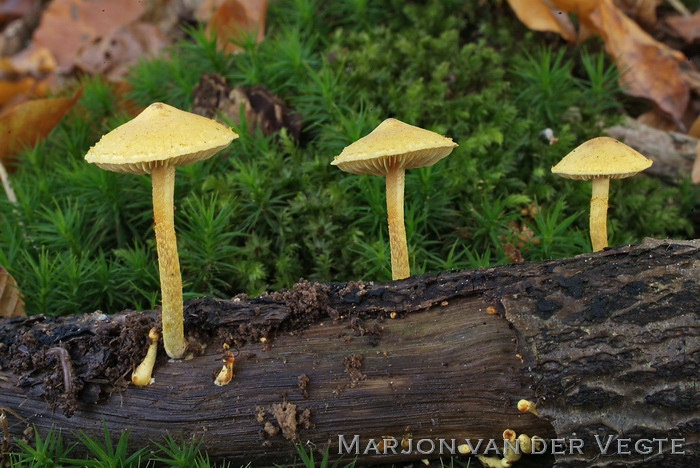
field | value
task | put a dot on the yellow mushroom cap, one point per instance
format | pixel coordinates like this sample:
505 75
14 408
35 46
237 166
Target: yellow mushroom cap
393 143
601 157
161 135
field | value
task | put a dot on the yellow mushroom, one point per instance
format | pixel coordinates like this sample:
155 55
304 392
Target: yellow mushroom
525 443
155 142
388 151
226 372
509 453
600 160
142 375
525 406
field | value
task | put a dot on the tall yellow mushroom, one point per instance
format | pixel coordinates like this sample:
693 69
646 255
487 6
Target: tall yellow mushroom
155 142
600 160
388 151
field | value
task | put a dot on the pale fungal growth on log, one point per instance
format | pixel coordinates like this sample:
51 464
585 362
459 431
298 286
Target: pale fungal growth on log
226 373
388 151
510 452
525 406
600 160
525 443
155 142
142 376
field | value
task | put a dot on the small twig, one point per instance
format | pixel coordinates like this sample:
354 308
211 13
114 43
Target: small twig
6 184
680 8
66 365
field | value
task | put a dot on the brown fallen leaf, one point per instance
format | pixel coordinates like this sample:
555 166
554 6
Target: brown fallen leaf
235 18
11 88
69 25
694 130
28 122
643 11
31 61
113 54
688 27
649 68
13 9
539 16
11 303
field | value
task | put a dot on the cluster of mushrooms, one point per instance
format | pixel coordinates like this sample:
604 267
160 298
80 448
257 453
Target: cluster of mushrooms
160 138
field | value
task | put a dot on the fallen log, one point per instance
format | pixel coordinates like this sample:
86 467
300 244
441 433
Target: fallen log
608 344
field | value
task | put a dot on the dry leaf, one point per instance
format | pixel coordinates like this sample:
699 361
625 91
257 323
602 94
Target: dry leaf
538 16
688 27
650 69
13 9
655 119
10 89
235 18
643 11
30 61
11 304
30 121
112 55
69 25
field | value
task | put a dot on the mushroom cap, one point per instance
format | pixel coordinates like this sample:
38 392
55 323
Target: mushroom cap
601 157
159 136
393 143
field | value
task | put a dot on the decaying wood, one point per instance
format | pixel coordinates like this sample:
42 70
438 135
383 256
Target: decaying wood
673 153
606 343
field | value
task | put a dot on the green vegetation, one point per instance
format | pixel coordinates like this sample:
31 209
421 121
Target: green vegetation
51 452
270 209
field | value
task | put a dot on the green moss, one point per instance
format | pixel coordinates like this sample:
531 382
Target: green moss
270 209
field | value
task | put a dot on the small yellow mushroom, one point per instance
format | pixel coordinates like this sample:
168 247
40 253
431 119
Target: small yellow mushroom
494 462
509 453
525 406
525 443
142 375
226 372
536 442
464 449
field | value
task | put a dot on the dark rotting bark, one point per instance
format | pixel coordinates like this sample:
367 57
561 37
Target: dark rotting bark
606 343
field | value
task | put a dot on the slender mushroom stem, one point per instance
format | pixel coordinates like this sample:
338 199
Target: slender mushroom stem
599 214
144 371
163 179
397 229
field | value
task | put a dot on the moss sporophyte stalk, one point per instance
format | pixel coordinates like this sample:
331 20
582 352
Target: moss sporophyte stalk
156 141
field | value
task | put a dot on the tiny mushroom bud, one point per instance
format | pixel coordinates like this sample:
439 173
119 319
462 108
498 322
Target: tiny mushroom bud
155 142
509 453
388 151
142 375
464 449
527 405
600 160
226 372
493 462
525 443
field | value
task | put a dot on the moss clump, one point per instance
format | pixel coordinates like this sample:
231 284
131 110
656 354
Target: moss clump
272 209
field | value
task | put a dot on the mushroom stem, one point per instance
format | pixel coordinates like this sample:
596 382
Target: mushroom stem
163 179
599 214
397 229
142 375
